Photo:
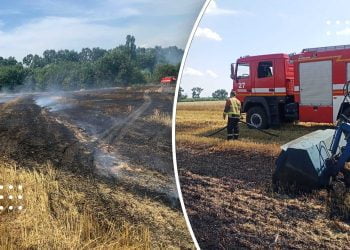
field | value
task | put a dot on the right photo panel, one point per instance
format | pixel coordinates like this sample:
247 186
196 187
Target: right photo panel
263 123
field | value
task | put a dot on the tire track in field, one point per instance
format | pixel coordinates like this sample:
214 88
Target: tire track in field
110 161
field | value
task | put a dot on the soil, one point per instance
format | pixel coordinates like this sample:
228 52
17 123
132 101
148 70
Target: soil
230 203
102 136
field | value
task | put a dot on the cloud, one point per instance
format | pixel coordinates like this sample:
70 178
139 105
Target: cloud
192 72
76 33
195 72
283 15
337 22
7 12
130 12
118 8
104 10
344 32
208 33
211 73
65 24
57 33
213 9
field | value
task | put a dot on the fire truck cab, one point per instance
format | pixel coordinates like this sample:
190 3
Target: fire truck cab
308 87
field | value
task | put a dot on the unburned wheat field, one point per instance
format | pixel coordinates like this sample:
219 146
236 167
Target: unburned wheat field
227 189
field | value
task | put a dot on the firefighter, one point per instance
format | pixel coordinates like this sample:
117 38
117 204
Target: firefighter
233 111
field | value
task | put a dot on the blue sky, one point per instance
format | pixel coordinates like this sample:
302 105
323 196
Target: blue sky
33 26
230 29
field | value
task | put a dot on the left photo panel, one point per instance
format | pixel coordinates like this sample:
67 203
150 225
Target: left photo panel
86 98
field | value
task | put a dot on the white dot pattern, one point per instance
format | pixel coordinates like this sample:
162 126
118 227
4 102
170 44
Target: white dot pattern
12 195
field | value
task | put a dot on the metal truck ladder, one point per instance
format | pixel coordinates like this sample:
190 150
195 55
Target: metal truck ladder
328 48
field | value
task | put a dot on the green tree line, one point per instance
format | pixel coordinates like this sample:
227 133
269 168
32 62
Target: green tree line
90 68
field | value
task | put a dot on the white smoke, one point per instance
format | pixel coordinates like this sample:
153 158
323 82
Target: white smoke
106 163
8 97
52 102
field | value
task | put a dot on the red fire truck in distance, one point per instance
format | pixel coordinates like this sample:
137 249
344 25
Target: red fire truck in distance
168 80
279 87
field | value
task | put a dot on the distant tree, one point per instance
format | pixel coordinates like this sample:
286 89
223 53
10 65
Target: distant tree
117 68
50 56
220 94
11 61
67 56
98 53
11 76
181 94
196 92
166 70
90 68
172 54
130 46
37 62
86 55
28 60
146 59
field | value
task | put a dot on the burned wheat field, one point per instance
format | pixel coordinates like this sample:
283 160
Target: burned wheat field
227 188
96 170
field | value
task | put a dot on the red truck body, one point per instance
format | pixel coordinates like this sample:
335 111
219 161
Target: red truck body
307 86
168 80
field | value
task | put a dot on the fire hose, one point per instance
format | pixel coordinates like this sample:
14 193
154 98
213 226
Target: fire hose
251 125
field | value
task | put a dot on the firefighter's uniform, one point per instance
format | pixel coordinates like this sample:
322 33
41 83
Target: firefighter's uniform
233 111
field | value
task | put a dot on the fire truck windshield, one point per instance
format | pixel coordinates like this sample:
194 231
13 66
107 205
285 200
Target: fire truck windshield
243 70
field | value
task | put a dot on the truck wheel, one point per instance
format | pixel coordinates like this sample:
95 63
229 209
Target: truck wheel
256 116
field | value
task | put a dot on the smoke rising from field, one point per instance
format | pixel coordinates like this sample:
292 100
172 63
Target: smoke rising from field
107 163
53 103
90 115
8 97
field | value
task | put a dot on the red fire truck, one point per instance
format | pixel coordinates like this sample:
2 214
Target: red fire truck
168 80
279 87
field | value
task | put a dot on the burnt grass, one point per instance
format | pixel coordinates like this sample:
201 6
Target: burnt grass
31 136
229 199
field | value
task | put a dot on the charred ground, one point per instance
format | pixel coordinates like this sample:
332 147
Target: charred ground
112 147
228 195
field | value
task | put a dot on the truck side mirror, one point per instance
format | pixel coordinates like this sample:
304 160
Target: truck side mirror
233 73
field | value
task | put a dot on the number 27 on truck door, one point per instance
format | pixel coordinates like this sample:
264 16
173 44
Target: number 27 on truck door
241 85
